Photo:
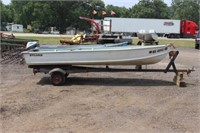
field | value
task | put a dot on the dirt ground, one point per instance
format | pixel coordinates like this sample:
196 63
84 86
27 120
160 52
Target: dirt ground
125 102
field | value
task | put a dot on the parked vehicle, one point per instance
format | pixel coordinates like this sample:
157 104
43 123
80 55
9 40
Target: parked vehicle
113 38
168 27
103 38
147 38
197 40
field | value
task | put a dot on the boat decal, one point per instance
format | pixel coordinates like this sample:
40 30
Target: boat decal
160 50
36 54
157 51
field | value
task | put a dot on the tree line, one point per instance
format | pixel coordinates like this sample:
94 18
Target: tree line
63 14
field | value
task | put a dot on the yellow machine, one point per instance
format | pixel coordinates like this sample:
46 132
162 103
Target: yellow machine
76 39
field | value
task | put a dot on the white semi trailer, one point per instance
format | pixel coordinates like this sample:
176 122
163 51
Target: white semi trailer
169 27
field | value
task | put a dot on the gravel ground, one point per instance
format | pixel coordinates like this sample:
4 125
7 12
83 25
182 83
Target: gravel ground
102 102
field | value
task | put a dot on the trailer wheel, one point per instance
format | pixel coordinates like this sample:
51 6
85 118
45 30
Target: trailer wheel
196 46
57 78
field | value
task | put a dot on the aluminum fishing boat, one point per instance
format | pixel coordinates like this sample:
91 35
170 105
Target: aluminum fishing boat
96 55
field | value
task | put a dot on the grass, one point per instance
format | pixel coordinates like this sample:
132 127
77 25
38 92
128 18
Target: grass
176 42
44 40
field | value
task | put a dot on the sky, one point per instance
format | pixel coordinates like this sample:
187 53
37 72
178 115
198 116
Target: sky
128 3
125 3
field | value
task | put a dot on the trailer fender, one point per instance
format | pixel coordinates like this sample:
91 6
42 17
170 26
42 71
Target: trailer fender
58 70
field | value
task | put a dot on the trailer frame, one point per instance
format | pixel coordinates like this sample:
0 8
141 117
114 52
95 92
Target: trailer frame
58 73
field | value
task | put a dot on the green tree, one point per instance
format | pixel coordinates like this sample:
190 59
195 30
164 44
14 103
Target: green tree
120 11
42 14
6 14
60 14
85 9
97 5
150 9
186 10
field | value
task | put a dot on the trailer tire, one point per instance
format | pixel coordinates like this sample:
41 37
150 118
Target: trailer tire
196 46
57 78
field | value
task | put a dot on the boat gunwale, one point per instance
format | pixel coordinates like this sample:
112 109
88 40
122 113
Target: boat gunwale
106 49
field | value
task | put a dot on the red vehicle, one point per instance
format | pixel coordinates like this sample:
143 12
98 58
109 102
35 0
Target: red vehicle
188 28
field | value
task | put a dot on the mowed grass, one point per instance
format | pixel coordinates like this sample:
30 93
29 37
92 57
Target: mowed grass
44 40
176 42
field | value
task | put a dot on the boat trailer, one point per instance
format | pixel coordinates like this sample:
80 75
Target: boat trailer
59 73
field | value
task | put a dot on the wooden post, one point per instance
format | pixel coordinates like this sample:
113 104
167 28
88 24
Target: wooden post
178 80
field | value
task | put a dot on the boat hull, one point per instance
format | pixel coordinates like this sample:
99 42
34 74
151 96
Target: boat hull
126 55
